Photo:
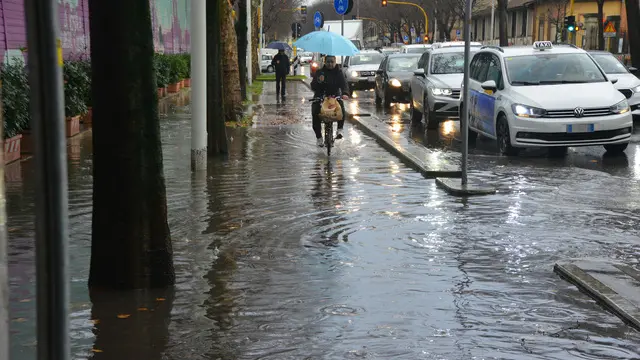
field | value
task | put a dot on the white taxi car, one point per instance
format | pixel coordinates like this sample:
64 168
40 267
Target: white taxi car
545 96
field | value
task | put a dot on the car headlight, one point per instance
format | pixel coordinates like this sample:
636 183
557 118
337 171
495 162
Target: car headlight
395 83
527 111
620 108
439 91
354 74
315 65
636 89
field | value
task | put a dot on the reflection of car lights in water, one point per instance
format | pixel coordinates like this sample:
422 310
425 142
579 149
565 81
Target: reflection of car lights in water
401 107
354 137
396 127
355 95
395 118
353 107
448 127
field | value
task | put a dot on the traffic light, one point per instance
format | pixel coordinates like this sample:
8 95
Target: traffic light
303 10
299 28
570 23
426 39
384 3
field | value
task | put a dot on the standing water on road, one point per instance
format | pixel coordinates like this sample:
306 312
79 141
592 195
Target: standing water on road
282 253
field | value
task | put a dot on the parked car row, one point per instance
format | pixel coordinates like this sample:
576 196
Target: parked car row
552 96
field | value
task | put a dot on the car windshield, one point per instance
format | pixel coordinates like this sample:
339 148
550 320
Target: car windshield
448 63
366 59
610 64
548 69
406 64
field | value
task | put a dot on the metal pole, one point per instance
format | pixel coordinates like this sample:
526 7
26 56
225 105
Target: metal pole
493 8
198 84
249 46
342 33
47 114
464 121
357 9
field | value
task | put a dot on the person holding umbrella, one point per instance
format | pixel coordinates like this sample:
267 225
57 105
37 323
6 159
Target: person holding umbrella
282 66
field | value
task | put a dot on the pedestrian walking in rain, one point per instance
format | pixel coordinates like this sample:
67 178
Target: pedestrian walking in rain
282 65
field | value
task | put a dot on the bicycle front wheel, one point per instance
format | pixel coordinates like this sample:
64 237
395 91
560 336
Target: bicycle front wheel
328 136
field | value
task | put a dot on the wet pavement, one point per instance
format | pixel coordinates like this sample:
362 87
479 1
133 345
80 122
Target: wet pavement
282 253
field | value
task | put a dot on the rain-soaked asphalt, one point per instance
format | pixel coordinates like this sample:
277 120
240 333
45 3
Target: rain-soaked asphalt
283 254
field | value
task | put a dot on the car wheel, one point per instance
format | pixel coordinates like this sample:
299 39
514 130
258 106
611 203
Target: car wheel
558 151
472 135
615 148
430 120
504 138
416 116
386 101
269 69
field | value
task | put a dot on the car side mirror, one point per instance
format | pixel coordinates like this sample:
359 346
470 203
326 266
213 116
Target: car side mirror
613 80
489 85
345 66
418 72
380 72
632 69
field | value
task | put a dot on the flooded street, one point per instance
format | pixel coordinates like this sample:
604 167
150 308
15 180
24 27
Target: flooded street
282 253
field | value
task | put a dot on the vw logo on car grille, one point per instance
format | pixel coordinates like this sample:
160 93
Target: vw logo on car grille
578 112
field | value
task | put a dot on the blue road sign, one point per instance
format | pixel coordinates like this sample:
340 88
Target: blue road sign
406 38
418 39
457 32
341 6
318 19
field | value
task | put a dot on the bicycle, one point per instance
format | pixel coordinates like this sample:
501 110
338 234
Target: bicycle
328 125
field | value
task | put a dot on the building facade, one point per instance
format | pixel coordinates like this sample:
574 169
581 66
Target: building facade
170 27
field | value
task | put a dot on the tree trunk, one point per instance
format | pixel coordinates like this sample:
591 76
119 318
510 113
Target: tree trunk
4 266
255 33
633 21
232 95
131 242
502 22
241 35
216 130
600 24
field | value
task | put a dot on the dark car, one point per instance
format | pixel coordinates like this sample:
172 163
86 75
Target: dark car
393 78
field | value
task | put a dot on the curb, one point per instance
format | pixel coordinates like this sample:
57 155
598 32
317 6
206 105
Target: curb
603 294
404 155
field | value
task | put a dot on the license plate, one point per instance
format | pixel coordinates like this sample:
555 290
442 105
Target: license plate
580 128
371 79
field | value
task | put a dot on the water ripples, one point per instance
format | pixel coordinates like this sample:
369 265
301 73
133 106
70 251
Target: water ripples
281 253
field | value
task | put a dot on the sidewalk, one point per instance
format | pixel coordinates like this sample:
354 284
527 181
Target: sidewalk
430 163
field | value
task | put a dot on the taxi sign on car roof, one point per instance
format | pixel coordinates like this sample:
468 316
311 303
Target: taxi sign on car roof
541 45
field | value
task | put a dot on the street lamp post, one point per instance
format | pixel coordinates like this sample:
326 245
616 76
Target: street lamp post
52 219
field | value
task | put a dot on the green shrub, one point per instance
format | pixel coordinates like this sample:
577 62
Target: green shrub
85 66
15 97
76 85
162 68
187 59
177 67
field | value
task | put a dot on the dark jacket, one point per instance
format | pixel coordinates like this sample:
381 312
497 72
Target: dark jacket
281 64
334 83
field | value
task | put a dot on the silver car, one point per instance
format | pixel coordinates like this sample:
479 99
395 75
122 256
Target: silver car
360 70
435 86
625 80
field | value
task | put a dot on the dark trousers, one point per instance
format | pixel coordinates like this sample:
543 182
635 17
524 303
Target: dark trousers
281 83
317 123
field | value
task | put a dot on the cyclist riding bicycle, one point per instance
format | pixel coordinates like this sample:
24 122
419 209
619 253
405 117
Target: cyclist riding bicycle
328 81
